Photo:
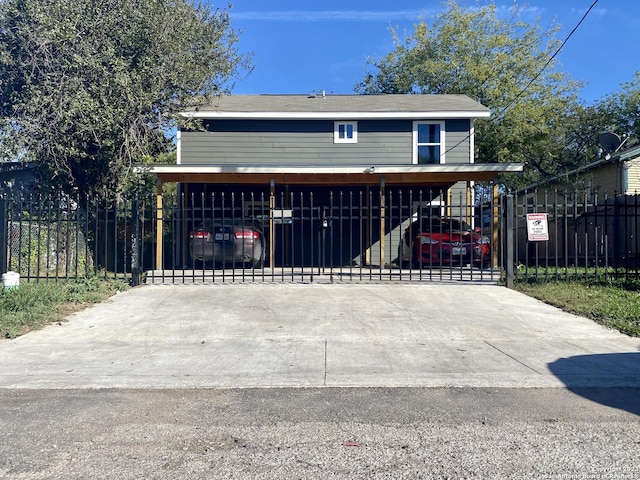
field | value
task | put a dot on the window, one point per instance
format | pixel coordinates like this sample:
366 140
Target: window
428 142
345 132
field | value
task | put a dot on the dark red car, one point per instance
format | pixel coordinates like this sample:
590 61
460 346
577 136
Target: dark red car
444 241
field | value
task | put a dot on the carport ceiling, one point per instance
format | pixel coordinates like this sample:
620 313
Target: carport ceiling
357 175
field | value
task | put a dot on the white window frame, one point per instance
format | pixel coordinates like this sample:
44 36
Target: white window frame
345 139
441 144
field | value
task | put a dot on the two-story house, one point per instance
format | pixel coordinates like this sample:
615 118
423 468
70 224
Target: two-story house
283 145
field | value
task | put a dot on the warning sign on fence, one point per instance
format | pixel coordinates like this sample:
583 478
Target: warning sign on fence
537 227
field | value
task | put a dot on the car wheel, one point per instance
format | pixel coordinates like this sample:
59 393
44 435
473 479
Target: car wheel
415 262
199 264
400 260
258 263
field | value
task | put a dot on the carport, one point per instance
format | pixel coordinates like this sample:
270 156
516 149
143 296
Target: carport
378 179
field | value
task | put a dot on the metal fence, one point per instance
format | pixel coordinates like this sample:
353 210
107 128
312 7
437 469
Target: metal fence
306 236
52 237
589 235
311 236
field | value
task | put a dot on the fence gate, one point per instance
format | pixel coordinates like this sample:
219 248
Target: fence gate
358 235
328 236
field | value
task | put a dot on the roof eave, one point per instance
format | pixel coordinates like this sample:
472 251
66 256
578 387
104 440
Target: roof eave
210 115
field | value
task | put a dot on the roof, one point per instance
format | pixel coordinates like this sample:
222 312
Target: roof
630 154
410 106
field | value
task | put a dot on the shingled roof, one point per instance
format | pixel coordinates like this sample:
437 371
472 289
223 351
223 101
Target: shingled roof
342 106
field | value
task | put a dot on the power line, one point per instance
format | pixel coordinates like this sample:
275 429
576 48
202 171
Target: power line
555 54
535 77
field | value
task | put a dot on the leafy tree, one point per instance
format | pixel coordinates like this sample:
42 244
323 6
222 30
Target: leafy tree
504 63
89 87
622 109
618 112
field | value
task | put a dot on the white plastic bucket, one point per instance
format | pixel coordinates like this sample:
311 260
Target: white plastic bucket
10 280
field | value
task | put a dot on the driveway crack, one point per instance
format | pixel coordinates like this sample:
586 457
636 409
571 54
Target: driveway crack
513 358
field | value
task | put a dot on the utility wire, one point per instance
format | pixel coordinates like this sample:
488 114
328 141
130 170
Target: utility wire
526 87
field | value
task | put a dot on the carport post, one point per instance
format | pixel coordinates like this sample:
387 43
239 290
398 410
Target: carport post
508 267
159 232
4 239
135 244
272 206
382 222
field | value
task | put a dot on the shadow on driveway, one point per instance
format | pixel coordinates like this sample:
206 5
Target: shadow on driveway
609 379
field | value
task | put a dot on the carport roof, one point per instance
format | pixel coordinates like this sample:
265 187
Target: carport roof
354 175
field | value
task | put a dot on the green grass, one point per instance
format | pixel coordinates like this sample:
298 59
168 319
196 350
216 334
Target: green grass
31 306
614 304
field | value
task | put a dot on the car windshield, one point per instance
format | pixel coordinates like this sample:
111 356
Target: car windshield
230 223
445 225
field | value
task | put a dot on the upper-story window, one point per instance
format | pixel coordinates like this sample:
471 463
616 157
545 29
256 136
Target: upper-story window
345 132
428 142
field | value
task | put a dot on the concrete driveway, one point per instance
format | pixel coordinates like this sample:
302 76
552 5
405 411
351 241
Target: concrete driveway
320 335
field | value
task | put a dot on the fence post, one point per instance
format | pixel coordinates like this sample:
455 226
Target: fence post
4 237
135 244
509 266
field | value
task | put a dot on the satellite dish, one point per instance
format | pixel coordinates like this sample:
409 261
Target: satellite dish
610 141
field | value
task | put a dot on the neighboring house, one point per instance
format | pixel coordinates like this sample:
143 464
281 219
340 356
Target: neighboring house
614 174
593 212
16 177
318 143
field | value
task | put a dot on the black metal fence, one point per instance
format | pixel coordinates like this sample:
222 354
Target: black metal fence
355 235
52 237
305 236
588 235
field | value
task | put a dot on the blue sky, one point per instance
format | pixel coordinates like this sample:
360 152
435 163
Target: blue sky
301 47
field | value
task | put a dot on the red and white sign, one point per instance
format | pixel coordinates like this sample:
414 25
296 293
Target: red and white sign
537 227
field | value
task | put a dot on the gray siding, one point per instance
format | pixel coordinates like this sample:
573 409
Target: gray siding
458 142
286 142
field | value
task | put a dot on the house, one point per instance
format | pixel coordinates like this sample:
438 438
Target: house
593 214
281 145
16 177
613 174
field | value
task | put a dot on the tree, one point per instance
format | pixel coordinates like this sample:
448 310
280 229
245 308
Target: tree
622 109
504 63
87 88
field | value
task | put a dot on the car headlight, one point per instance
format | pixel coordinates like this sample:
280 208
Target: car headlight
427 241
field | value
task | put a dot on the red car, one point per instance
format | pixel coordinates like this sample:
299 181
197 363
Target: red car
444 241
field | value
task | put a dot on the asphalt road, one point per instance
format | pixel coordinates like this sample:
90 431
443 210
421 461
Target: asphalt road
341 433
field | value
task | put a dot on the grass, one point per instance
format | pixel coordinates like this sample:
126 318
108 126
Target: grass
614 303
31 306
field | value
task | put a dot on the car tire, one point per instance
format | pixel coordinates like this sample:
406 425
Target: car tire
401 261
415 263
258 263
199 264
